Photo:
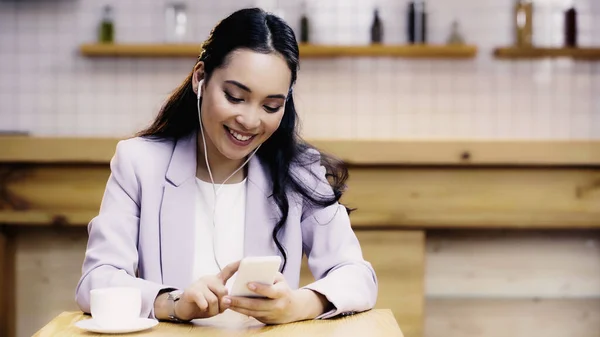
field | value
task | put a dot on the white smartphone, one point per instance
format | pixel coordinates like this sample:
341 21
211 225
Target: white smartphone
257 269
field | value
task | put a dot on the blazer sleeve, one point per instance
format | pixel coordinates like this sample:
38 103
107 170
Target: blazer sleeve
335 256
111 257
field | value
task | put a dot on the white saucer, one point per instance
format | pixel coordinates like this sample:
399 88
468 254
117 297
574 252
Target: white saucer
137 325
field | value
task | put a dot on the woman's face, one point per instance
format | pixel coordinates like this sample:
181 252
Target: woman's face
243 102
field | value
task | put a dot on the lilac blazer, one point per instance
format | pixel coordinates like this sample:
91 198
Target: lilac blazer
143 234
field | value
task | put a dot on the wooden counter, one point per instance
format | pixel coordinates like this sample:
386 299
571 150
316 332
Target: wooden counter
418 184
20 149
401 189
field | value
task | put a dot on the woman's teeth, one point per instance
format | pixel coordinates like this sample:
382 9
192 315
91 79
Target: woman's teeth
238 136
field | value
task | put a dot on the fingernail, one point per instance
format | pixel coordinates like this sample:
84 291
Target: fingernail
226 301
251 286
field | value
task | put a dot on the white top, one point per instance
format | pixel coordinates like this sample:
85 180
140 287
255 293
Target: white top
228 233
228 228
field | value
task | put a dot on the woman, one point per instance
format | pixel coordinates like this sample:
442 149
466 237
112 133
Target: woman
186 200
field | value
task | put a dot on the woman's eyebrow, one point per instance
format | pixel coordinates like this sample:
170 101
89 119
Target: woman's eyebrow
245 88
239 85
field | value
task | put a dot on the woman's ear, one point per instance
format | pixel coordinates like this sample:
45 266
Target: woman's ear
198 78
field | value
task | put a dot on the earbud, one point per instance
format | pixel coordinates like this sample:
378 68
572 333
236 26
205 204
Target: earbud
200 89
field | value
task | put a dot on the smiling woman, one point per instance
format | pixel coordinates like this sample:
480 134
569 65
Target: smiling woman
221 174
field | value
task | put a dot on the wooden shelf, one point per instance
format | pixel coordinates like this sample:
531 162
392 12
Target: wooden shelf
535 53
306 51
140 50
404 51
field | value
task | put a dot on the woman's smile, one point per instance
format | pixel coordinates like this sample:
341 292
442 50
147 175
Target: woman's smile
239 138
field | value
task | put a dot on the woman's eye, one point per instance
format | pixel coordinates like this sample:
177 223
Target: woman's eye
232 99
271 109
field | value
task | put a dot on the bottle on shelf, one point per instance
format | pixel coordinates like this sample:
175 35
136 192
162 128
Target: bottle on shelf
523 23
376 28
106 30
417 22
176 22
571 28
456 37
304 25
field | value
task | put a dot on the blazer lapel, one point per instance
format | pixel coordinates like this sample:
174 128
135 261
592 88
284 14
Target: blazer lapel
261 212
177 214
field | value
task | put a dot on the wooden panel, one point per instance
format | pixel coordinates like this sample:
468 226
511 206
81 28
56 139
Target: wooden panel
512 318
23 149
48 268
3 294
539 52
409 197
50 217
464 153
356 152
59 195
7 284
496 264
467 198
398 258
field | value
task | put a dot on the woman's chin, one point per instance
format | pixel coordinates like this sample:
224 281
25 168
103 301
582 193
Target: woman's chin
236 154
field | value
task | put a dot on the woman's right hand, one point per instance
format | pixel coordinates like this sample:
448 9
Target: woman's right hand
203 298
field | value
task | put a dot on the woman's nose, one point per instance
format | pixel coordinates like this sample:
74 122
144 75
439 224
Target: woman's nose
249 119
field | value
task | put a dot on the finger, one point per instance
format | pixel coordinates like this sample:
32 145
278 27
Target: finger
198 297
228 271
218 289
213 302
224 304
253 304
269 291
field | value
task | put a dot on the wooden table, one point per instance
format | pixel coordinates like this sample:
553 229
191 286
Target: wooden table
372 323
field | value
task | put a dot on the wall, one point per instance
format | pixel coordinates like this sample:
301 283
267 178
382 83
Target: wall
46 88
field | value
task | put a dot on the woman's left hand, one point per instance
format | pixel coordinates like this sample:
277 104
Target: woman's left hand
281 305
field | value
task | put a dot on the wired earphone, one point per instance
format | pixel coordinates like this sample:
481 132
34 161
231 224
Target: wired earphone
215 190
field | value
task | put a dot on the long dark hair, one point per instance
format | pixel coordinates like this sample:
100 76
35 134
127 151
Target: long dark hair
261 32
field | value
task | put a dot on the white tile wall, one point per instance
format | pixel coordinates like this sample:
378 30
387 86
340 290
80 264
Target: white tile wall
46 88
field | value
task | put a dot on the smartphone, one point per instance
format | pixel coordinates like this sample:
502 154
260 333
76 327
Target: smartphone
257 269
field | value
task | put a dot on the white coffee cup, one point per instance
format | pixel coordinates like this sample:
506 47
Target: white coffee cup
115 307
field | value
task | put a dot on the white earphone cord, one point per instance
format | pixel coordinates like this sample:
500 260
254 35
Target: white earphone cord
211 176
